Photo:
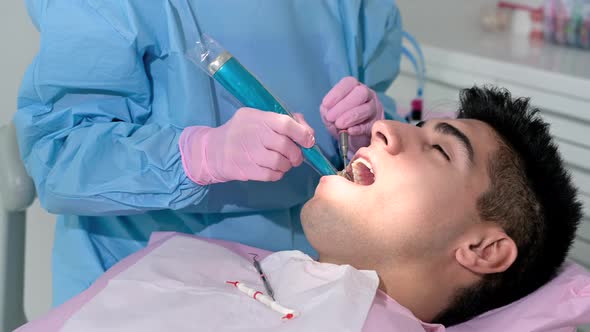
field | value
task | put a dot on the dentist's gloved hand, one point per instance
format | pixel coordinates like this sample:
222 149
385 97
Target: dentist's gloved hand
252 145
354 107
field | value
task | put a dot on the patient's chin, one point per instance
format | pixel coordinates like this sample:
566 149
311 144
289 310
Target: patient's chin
315 218
325 226
325 213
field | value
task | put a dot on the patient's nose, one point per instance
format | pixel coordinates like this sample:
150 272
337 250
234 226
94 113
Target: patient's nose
385 134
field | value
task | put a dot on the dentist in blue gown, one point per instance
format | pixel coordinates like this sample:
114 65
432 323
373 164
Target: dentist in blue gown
124 136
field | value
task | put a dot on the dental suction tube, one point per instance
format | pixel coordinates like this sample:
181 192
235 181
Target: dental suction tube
236 79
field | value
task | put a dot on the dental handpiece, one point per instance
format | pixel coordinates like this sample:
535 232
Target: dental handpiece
236 79
343 145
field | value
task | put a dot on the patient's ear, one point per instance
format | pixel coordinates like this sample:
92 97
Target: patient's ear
486 248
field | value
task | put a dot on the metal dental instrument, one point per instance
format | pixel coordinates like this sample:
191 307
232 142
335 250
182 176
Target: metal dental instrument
343 134
343 145
263 277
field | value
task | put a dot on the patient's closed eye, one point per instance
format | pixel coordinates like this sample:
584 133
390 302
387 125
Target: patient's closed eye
436 146
442 151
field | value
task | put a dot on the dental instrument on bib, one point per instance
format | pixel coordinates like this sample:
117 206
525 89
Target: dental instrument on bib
264 299
219 64
258 268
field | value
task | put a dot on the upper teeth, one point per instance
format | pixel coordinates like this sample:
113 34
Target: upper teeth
364 162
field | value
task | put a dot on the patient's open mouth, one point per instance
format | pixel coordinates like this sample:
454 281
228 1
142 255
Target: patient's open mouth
360 171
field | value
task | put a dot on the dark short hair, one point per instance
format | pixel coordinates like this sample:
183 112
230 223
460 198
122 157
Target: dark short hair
531 196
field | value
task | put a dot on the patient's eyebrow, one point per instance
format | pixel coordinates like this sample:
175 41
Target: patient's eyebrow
448 129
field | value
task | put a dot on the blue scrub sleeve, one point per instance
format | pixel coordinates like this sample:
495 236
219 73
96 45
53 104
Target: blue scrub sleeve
81 120
382 56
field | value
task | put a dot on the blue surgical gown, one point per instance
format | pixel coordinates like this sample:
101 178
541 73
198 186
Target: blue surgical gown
102 106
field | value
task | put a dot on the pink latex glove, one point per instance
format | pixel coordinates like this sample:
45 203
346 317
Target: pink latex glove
252 145
354 107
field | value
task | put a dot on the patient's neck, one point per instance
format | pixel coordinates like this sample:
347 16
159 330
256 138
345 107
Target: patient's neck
425 289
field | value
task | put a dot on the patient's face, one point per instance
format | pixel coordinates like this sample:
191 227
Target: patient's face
424 194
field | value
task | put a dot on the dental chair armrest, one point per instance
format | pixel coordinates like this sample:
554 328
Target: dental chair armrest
17 191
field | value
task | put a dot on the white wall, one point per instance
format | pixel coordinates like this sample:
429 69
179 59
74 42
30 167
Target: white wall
20 42
441 11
